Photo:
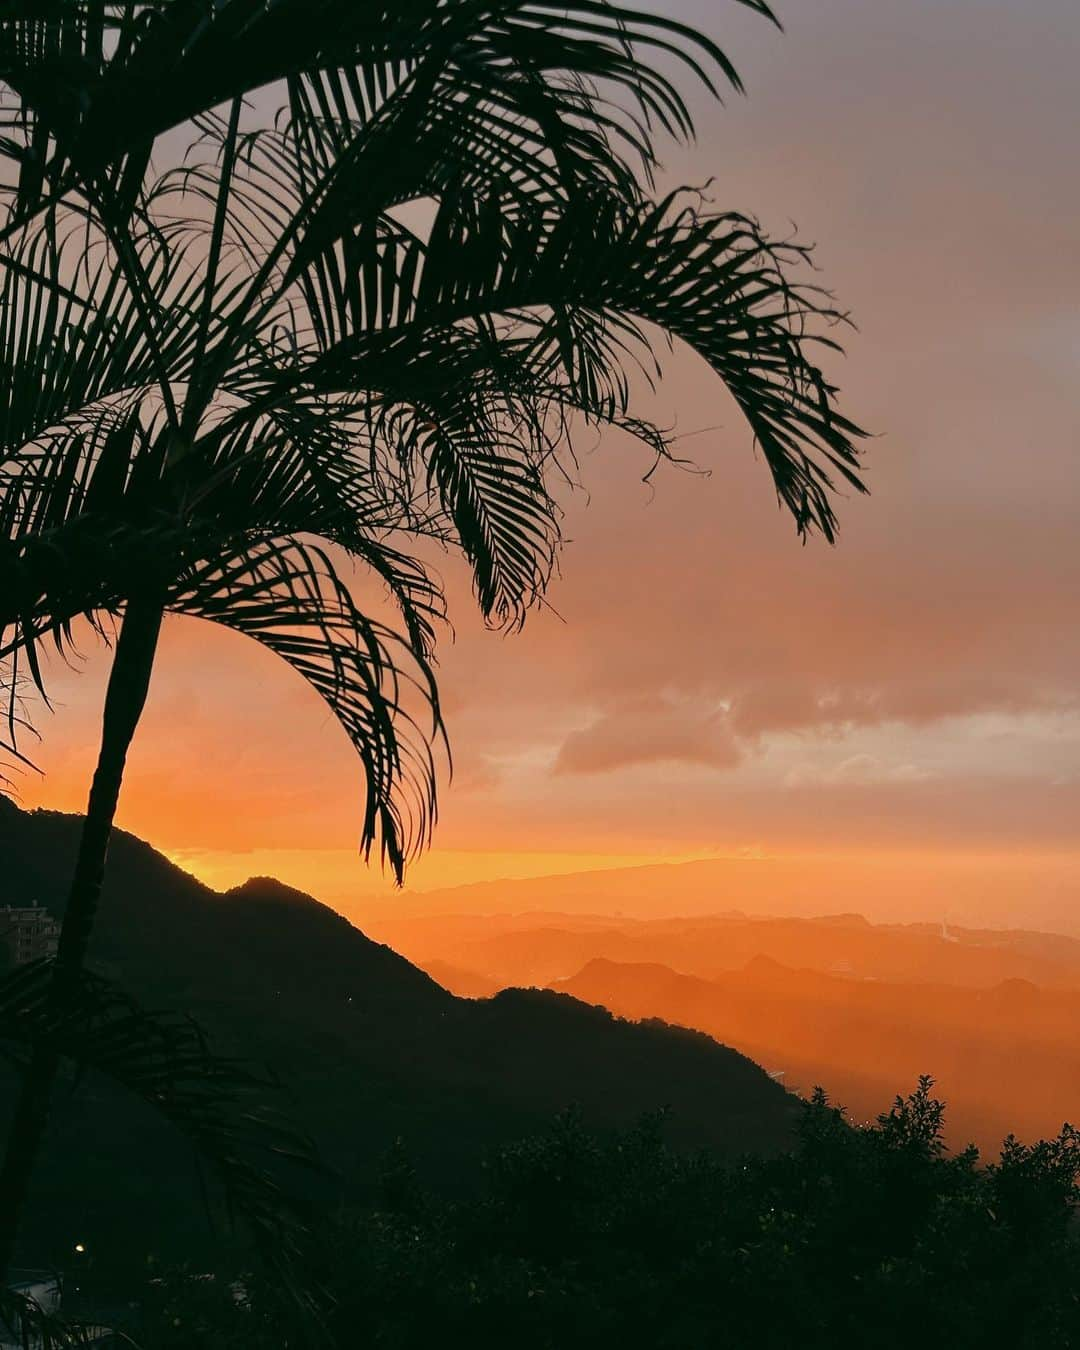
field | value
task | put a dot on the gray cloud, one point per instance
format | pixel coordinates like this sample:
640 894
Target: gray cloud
648 731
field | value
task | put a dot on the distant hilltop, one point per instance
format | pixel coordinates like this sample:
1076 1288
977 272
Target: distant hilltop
1010 890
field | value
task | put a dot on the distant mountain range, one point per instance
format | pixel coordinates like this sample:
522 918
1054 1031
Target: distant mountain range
976 890
371 1047
538 947
862 1009
1006 1059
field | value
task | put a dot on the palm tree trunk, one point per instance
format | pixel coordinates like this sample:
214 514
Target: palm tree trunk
124 701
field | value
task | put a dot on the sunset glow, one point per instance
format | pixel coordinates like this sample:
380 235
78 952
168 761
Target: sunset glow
707 684
540 644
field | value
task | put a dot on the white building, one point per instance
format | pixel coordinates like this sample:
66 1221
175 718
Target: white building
28 932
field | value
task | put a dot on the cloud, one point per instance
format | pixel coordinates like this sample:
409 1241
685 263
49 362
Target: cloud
476 773
911 697
649 731
861 769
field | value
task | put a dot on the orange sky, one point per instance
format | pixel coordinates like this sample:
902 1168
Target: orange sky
708 686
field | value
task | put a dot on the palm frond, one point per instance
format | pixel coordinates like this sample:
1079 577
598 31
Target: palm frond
25 1324
166 1061
477 462
287 595
580 279
84 349
99 80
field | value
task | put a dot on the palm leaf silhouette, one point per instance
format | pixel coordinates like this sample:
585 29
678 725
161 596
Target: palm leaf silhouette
165 1060
412 247
28 1326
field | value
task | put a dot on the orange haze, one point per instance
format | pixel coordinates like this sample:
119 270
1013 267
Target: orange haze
708 688
861 1009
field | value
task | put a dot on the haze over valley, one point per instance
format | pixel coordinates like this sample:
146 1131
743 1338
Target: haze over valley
860 1009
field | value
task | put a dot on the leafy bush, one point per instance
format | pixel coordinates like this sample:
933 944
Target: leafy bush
860 1236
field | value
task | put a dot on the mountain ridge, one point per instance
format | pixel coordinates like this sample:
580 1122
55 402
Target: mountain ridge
959 887
1004 1057
541 947
371 1047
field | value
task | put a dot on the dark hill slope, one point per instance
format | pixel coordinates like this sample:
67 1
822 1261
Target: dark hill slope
371 1048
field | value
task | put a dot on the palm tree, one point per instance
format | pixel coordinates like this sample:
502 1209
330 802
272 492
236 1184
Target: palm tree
410 247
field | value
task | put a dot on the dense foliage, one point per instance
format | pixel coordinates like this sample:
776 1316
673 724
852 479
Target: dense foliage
859 1236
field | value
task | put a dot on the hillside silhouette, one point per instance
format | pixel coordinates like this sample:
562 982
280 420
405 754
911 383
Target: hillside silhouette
372 1050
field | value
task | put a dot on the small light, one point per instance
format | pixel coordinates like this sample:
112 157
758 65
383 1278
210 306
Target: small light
79 1247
